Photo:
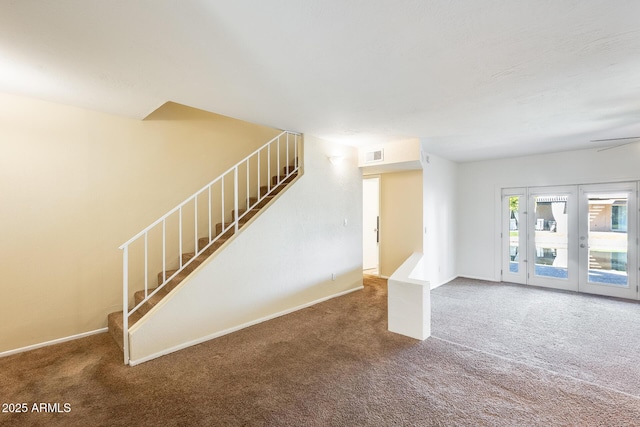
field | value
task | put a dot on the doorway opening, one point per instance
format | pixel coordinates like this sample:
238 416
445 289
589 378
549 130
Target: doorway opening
371 225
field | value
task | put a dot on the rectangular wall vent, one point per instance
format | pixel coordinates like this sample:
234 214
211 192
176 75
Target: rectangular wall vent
374 156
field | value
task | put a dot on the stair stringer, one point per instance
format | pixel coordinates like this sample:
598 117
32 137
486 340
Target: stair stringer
224 294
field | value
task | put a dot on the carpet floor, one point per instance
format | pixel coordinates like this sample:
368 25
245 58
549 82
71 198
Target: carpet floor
500 355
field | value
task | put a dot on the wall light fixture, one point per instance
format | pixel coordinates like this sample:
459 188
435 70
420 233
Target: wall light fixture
336 160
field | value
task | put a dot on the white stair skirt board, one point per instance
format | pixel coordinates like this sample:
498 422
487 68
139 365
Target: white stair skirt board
409 300
52 342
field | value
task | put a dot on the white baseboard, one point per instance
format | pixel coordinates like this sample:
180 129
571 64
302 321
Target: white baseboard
444 282
239 327
486 279
52 342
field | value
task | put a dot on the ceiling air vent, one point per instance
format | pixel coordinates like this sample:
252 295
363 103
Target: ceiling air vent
373 156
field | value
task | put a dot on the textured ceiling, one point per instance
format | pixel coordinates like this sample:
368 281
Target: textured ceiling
477 78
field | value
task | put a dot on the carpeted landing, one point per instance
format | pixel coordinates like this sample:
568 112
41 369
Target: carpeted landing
336 364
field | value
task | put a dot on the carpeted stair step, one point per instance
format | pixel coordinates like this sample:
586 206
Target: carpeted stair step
291 178
227 234
260 205
171 284
264 190
242 221
278 179
248 216
276 188
204 241
252 203
195 263
241 211
168 274
115 322
263 202
148 305
287 169
219 227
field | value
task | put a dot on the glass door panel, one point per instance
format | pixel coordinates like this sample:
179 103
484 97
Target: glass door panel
551 236
607 239
514 216
553 227
608 254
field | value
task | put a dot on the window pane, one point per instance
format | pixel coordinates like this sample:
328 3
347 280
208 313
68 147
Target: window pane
608 239
514 234
551 236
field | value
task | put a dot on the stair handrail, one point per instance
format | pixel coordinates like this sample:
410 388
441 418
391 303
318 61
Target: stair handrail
234 223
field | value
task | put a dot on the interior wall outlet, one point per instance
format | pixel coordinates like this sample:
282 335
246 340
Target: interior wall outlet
333 276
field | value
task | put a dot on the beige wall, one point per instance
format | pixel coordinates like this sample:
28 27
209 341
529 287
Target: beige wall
400 218
76 184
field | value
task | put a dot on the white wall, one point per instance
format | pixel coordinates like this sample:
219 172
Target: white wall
282 261
479 185
440 206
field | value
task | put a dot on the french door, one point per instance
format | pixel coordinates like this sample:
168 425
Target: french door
552 231
578 238
514 231
608 240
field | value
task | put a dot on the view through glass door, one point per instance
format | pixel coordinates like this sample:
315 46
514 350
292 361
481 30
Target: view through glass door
514 230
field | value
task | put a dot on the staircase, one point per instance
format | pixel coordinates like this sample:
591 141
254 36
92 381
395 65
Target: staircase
194 246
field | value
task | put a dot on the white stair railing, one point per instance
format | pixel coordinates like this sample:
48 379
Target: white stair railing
158 245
